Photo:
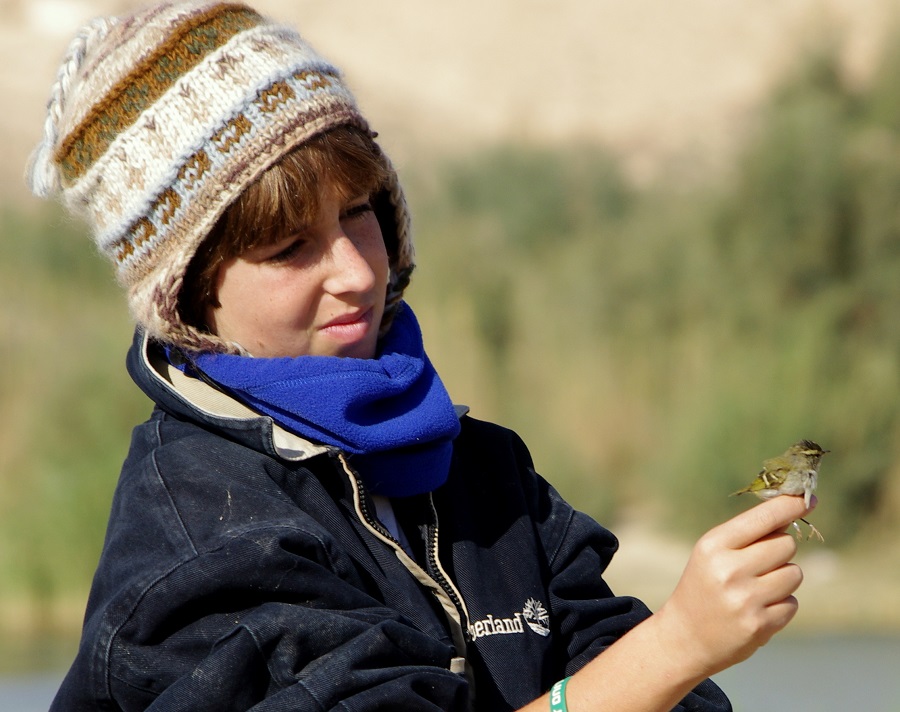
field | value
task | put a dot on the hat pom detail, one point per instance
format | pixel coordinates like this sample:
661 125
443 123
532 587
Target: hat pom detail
43 173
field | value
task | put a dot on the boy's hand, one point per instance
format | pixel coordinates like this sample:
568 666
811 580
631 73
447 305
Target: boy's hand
734 594
736 590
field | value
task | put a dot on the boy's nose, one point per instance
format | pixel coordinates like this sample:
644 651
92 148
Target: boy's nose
349 269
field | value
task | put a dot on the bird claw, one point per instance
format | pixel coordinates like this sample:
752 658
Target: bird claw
813 532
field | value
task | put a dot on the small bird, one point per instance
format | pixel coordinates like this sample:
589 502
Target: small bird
795 472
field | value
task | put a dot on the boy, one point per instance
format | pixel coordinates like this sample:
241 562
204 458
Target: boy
306 521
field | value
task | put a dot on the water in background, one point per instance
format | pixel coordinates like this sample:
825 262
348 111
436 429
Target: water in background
827 673
28 693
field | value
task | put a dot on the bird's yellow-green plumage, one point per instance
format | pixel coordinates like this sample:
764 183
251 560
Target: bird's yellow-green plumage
794 472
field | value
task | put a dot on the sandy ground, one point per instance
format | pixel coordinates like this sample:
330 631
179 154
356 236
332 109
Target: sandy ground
652 78
848 592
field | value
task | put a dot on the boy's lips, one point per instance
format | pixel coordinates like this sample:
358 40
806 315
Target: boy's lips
350 318
350 327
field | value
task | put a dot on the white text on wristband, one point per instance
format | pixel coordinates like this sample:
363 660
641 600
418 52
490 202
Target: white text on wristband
558 696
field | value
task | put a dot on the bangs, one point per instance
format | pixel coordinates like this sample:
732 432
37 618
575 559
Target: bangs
288 196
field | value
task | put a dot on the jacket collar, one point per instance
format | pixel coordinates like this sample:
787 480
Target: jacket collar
194 399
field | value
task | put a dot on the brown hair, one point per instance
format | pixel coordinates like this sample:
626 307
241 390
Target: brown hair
284 197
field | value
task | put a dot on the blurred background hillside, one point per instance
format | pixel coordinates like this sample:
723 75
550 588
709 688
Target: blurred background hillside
661 240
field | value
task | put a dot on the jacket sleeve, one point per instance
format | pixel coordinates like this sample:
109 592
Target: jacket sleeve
590 617
221 632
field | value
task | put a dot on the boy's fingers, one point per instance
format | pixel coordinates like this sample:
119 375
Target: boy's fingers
770 516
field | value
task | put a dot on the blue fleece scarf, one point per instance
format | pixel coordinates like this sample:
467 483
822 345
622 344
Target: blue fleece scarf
391 413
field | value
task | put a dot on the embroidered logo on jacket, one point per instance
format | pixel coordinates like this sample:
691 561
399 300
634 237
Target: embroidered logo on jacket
534 615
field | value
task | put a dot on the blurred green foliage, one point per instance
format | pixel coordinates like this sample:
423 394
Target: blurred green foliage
66 405
652 344
657 344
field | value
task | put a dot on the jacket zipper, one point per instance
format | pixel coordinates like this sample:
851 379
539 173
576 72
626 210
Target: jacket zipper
435 571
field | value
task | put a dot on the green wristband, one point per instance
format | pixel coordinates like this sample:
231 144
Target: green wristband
558 696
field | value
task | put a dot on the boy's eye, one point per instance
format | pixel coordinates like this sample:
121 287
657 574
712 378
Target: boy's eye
295 246
357 210
287 253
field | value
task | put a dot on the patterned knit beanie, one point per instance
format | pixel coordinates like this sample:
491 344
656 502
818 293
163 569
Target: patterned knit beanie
160 119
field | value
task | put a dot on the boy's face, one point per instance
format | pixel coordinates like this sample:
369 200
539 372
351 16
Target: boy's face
319 291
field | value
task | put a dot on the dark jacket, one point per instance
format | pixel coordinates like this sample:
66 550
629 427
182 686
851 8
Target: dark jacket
244 568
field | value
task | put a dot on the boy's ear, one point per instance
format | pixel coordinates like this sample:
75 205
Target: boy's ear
385 212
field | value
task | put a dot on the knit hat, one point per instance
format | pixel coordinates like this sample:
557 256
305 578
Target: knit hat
159 120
